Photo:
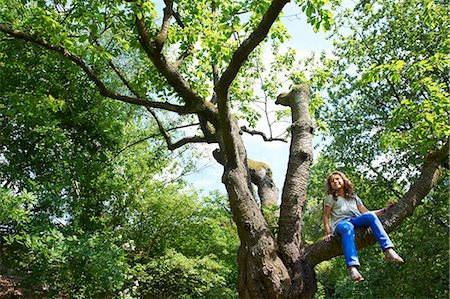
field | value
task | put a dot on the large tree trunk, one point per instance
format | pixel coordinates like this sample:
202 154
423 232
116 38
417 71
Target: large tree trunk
268 267
262 274
267 270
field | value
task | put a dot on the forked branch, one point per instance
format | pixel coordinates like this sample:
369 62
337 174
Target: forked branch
153 50
241 54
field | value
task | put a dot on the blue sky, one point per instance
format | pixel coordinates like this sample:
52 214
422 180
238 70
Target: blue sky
305 41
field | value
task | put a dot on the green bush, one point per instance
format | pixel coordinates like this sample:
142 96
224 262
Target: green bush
177 276
88 266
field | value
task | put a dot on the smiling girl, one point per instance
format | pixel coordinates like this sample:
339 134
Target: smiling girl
343 212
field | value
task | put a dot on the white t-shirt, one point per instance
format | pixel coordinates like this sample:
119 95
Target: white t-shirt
342 208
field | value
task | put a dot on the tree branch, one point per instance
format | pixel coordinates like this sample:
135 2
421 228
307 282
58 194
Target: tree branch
429 176
294 192
123 79
104 91
215 66
179 143
228 124
121 76
181 58
253 132
175 14
150 137
181 86
194 103
257 36
162 35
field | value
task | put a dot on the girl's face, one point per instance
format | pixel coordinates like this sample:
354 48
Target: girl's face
336 182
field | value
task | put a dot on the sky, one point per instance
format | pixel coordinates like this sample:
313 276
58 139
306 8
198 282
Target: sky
305 41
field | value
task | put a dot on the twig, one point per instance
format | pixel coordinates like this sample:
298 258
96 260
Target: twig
253 132
180 143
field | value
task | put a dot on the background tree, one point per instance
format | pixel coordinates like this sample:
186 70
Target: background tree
195 66
387 108
90 196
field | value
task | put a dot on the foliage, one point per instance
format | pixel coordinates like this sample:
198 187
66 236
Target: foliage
387 103
107 204
401 97
174 275
100 184
173 234
15 208
55 138
76 266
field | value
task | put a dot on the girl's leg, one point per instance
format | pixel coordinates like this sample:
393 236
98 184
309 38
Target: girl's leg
371 220
347 232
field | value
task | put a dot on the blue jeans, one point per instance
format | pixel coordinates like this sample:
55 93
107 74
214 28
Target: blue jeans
346 228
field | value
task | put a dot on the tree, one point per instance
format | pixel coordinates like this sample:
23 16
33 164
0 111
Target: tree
80 187
196 66
393 111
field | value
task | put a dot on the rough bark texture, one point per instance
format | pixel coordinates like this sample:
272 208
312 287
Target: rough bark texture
295 191
261 176
262 274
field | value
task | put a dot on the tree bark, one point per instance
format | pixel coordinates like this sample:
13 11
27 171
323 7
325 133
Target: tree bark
268 267
262 274
294 193
261 176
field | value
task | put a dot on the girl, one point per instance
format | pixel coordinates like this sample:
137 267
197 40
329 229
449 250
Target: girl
343 212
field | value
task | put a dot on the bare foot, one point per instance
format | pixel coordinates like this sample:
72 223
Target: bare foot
355 275
391 256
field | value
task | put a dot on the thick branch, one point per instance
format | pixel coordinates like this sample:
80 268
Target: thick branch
261 176
429 176
293 197
257 36
194 103
227 121
162 35
174 78
300 156
169 3
104 91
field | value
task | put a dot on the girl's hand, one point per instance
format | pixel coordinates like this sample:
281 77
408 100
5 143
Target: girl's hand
328 237
389 205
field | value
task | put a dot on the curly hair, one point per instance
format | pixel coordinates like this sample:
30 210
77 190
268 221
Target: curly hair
348 186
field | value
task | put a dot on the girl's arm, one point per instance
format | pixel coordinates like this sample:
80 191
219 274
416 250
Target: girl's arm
363 209
326 223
